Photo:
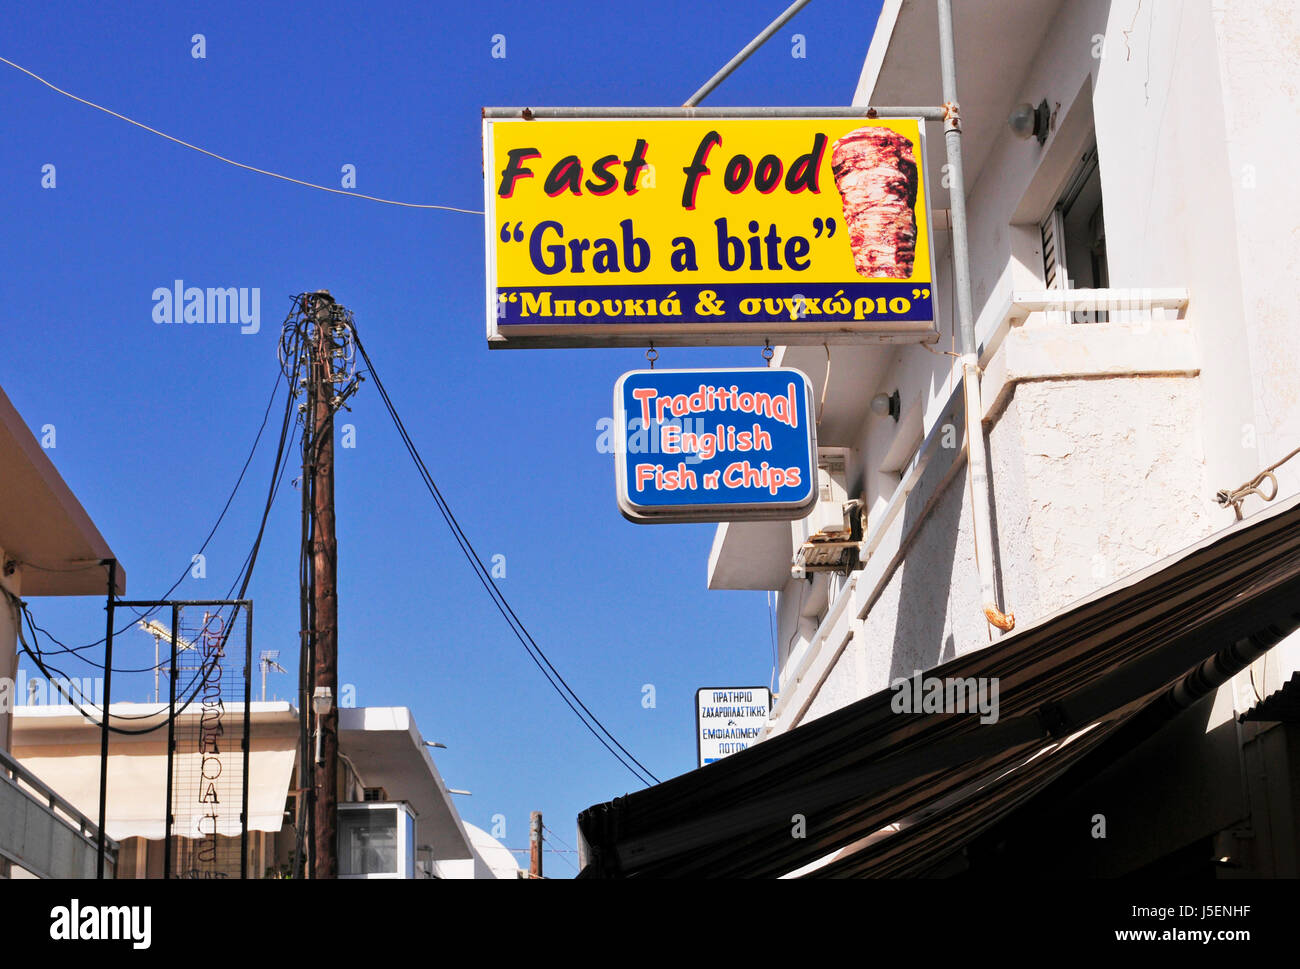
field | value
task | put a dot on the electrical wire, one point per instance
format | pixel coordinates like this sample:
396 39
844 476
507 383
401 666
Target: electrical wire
555 851
821 406
58 681
502 605
555 837
242 579
564 856
231 161
771 635
77 650
521 633
275 388
191 689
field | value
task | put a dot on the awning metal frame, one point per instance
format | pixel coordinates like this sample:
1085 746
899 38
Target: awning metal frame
244 606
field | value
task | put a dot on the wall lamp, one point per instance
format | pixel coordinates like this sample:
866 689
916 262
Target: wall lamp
1028 121
322 702
887 405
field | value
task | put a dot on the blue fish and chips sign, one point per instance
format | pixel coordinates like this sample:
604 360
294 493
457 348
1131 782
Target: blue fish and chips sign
715 445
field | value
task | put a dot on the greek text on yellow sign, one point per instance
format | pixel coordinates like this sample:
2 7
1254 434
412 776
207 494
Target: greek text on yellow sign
690 232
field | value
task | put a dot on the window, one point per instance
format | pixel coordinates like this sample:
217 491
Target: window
1074 237
368 842
376 839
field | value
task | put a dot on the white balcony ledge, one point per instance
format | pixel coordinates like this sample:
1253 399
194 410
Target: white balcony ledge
1146 337
1052 307
1032 340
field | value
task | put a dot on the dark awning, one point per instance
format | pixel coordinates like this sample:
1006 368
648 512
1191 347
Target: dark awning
1280 706
901 790
43 527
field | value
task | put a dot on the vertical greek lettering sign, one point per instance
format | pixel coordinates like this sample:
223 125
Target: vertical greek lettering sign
211 712
689 232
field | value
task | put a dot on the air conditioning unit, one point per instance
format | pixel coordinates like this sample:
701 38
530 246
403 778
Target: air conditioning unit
373 794
829 539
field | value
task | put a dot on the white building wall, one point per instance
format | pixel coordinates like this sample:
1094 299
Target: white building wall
1156 103
1101 472
1160 117
1259 68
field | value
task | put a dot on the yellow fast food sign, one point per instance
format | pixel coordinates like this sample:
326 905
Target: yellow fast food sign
690 232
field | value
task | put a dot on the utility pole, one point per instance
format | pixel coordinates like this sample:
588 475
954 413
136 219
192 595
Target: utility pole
324 560
301 374
318 356
535 846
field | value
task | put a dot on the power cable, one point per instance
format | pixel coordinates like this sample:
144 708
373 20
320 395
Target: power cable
277 475
555 837
77 650
62 677
35 628
564 853
230 161
498 599
771 635
555 851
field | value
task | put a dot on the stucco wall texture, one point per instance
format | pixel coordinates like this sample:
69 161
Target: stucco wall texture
1064 455
1259 63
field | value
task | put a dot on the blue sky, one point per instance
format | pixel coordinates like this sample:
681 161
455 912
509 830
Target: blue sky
153 421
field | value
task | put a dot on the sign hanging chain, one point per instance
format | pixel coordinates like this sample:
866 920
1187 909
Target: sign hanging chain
768 352
652 354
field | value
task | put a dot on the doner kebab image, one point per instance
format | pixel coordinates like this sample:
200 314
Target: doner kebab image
875 171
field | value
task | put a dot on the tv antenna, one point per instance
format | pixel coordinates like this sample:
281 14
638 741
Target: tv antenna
159 632
267 661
